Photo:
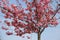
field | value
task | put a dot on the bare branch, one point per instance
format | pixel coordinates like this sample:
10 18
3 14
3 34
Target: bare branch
42 30
55 13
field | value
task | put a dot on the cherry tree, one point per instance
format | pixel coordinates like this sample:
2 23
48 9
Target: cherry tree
35 18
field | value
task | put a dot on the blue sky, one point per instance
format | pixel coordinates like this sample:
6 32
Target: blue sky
50 33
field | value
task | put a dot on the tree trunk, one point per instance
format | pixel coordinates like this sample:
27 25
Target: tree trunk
39 35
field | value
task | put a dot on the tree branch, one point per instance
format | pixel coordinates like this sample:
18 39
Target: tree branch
42 30
50 19
55 12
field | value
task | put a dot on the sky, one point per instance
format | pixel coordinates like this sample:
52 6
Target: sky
50 33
